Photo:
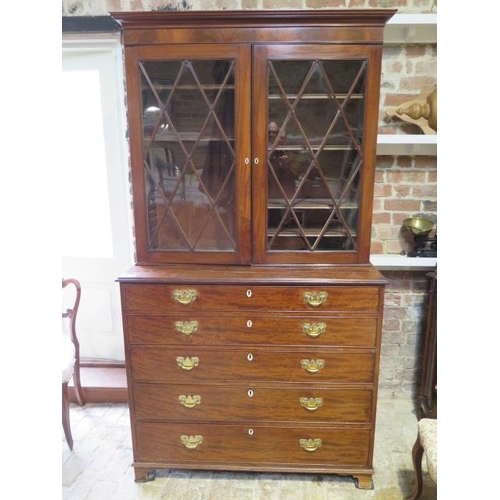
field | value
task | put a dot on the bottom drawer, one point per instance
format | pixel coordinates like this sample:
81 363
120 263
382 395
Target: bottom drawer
175 444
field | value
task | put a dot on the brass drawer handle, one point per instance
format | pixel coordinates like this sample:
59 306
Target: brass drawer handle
315 299
312 365
310 444
191 442
314 329
186 327
185 297
187 363
311 404
189 401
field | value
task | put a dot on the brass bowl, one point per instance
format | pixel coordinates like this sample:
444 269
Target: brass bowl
418 225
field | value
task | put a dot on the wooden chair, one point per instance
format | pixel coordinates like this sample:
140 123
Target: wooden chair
426 443
70 351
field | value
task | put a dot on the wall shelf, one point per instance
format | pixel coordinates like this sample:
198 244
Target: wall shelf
407 144
403 263
411 28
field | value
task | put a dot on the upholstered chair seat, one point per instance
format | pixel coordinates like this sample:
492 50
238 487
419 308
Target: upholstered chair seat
426 443
427 431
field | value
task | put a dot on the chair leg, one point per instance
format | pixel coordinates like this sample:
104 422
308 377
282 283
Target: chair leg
77 384
65 416
417 455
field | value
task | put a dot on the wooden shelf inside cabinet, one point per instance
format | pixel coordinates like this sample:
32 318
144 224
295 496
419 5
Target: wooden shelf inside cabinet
310 204
311 233
293 97
407 144
411 28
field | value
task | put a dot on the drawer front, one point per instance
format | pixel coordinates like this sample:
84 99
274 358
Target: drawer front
190 443
189 364
198 329
169 298
209 402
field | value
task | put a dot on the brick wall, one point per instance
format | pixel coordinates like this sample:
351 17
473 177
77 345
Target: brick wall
405 322
405 186
102 7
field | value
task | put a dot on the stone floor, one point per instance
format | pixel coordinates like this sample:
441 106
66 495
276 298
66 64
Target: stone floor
99 468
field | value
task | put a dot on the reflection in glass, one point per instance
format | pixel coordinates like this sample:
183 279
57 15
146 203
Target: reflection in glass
189 157
316 115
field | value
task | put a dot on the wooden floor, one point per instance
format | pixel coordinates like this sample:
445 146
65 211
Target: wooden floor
102 384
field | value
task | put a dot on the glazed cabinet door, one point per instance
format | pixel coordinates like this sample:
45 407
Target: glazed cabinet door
315 111
189 116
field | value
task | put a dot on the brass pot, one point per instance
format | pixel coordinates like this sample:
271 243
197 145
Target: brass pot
419 226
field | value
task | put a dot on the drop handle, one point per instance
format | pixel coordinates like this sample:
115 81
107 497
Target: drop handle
192 442
311 404
186 327
187 363
185 297
312 365
313 329
315 299
189 401
310 445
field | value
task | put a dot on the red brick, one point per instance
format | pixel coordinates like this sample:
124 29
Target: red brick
426 68
392 325
289 4
394 246
385 161
392 299
417 83
408 176
387 4
387 232
402 205
383 190
115 5
392 100
381 218
425 190
402 190
394 313
377 205
356 4
405 161
318 4
392 52
426 162
376 247
415 51
398 218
